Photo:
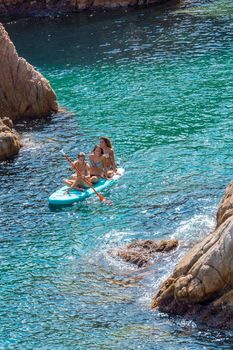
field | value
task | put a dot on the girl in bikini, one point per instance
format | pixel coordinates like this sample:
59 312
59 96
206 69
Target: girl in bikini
76 180
109 157
96 162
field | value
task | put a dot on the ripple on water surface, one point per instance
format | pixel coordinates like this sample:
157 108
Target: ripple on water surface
158 82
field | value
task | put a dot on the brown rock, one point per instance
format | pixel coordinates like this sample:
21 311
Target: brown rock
8 122
24 92
201 284
29 7
9 140
142 252
225 209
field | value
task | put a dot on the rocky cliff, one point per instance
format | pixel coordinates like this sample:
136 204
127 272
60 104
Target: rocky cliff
24 93
201 287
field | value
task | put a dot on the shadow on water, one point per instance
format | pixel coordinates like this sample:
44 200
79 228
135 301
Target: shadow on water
37 124
107 37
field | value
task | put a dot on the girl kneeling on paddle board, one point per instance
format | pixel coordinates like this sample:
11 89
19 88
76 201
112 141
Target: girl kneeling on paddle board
109 158
76 180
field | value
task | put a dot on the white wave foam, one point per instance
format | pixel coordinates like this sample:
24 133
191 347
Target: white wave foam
195 228
116 238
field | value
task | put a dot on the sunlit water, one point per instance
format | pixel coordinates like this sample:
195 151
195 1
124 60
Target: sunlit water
158 81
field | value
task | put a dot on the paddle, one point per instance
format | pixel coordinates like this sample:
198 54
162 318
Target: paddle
102 198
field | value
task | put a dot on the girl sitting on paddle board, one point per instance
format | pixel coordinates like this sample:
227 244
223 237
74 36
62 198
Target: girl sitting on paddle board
97 163
109 158
76 180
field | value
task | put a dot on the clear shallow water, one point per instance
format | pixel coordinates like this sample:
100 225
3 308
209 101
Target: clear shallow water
158 82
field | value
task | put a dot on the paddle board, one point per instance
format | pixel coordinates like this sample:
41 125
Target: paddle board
61 198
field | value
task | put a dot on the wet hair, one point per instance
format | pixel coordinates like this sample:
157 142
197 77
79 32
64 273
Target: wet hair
107 141
81 154
97 146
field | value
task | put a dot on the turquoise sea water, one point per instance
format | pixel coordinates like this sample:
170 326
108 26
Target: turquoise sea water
158 81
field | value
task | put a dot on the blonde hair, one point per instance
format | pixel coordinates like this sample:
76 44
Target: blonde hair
81 154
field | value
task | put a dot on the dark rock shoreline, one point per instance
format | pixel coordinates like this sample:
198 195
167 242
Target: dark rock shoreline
43 7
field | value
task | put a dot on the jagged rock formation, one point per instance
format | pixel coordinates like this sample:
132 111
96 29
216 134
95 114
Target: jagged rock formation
142 252
24 92
201 287
9 139
39 6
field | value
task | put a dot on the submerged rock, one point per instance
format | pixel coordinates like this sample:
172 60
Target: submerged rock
9 140
142 252
201 285
24 92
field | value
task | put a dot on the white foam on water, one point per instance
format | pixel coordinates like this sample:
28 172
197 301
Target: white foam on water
115 238
189 231
111 241
156 275
195 228
117 263
29 142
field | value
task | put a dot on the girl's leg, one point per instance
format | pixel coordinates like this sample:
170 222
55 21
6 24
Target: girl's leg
83 184
94 179
110 174
73 177
73 184
68 182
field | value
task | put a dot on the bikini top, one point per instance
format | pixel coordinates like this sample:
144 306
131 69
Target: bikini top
97 164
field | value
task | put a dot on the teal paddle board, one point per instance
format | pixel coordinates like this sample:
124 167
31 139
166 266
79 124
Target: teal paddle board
61 198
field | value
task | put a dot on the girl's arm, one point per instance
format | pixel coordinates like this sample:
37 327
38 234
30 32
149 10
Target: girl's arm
104 162
72 168
88 168
113 161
